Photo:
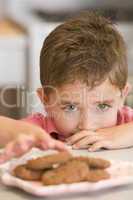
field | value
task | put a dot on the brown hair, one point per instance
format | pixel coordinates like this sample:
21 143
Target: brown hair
87 48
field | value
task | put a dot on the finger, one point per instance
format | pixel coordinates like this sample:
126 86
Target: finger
23 147
44 141
9 150
60 146
78 136
83 143
98 145
7 154
17 147
51 143
45 137
80 147
3 158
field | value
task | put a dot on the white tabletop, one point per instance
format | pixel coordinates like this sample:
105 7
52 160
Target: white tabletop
119 193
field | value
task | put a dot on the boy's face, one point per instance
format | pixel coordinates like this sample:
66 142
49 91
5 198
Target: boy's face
74 107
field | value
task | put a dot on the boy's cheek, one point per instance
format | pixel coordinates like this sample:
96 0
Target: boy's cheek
108 121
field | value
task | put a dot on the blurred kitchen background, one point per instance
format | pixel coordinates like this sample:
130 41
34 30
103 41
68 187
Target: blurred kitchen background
24 24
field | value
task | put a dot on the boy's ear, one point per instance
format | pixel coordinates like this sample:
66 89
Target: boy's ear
126 90
42 96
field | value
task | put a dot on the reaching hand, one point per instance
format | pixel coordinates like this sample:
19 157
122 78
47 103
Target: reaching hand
23 143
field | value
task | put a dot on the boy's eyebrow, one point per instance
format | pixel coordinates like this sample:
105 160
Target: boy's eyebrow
109 101
66 102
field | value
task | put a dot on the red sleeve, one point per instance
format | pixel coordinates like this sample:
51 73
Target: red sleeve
37 119
125 115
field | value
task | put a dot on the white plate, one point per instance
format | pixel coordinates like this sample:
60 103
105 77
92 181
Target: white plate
121 174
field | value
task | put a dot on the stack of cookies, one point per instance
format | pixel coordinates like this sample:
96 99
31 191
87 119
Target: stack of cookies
63 168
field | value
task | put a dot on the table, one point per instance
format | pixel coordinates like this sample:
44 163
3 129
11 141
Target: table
118 193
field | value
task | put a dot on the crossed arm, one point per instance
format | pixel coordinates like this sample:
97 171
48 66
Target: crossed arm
116 137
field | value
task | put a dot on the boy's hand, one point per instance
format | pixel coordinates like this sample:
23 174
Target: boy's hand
23 143
110 138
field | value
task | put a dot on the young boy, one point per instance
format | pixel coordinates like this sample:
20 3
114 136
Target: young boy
83 72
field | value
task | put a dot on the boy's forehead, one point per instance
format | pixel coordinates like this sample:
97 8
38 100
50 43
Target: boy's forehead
77 91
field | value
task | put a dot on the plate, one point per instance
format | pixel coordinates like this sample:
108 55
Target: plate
121 174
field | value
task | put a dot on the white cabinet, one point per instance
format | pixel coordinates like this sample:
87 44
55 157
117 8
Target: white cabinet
13 43
126 29
13 67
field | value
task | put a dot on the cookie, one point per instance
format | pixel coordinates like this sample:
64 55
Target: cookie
97 175
70 172
22 172
94 163
48 161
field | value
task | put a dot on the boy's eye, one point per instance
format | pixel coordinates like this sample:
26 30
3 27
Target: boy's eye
70 108
103 106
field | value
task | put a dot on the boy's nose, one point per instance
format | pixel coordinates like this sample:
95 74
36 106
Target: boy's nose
87 123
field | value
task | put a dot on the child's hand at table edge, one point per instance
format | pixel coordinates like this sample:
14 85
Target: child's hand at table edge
116 137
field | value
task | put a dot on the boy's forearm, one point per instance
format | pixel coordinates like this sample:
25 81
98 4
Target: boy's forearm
127 128
10 128
120 133
7 129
